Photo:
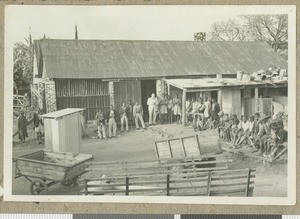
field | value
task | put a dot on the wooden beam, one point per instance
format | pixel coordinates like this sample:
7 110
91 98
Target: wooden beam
183 117
201 90
220 98
256 92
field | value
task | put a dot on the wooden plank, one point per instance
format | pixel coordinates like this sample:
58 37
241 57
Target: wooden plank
231 177
208 184
198 144
197 157
248 183
171 153
223 192
283 151
225 185
242 153
183 148
156 150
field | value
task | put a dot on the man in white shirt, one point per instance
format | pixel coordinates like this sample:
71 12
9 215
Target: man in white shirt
206 110
152 105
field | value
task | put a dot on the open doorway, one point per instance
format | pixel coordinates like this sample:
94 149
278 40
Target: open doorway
214 95
148 87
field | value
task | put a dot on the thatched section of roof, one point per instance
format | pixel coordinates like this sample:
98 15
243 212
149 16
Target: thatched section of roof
139 59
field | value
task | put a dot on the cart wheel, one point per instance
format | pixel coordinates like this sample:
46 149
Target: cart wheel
38 186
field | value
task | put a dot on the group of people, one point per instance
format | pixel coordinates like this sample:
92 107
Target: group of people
164 108
265 135
38 125
202 113
125 114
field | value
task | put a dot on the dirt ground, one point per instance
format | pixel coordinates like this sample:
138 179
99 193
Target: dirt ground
270 179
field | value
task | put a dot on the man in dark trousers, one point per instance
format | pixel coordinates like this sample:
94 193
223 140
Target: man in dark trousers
101 124
22 126
124 115
215 109
111 120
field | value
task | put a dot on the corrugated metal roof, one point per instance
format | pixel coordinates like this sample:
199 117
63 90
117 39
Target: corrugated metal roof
130 59
214 82
61 113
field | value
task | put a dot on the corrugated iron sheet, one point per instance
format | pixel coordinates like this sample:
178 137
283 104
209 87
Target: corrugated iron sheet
61 113
131 59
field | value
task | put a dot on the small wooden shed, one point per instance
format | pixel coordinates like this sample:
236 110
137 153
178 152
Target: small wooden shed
63 130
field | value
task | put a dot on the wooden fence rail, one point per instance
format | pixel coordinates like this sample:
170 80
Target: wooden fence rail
211 183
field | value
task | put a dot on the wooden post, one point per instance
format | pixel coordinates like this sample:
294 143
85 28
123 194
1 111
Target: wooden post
208 183
168 184
169 90
248 183
220 98
127 186
183 107
256 92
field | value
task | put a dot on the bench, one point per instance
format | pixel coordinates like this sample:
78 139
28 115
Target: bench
210 183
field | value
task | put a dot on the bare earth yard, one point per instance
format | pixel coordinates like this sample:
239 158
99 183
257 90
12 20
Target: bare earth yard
270 180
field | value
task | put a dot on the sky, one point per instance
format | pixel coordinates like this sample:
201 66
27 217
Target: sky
113 22
143 22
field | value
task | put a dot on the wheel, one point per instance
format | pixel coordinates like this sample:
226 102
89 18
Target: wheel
38 186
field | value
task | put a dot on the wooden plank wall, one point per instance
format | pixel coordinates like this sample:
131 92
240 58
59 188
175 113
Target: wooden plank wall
91 95
70 133
127 91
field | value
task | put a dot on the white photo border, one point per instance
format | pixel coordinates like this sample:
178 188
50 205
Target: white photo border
243 9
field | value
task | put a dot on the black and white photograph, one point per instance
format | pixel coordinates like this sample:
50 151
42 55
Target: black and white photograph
150 104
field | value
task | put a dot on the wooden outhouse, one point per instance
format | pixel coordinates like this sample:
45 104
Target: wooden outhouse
63 130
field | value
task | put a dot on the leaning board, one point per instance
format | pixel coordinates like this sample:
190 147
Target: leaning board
189 146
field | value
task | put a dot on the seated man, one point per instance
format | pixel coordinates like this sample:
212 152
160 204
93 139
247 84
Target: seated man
227 127
247 126
280 140
236 126
243 132
264 134
199 123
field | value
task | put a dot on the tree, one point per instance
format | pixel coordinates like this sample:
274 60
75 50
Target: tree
229 30
270 28
23 65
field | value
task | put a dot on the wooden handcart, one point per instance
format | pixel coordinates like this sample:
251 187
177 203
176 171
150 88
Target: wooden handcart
46 168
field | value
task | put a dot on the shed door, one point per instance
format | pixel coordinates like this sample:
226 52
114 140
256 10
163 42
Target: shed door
126 92
91 95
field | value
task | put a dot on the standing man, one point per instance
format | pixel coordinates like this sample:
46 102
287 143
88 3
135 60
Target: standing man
130 119
152 107
215 109
170 109
163 108
138 115
112 124
124 114
176 111
194 112
207 109
100 124
22 126
38 125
